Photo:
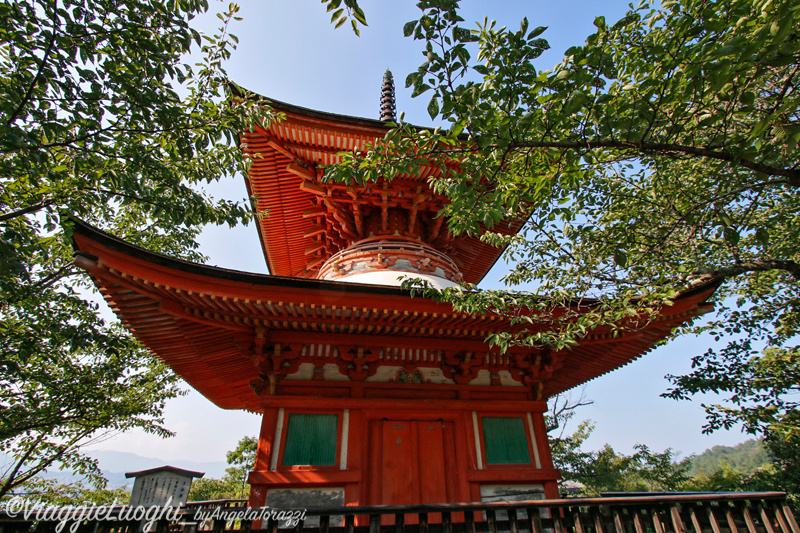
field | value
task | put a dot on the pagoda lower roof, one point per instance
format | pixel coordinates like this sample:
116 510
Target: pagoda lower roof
193 316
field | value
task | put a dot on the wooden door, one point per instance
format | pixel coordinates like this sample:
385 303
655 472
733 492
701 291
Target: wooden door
413 463
397 471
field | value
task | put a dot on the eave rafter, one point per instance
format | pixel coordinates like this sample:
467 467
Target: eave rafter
260 142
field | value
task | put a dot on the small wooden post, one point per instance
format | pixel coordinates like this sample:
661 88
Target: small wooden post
787 512
374 523
558 524
491 521
654 512
618 527
695 521
576 520
765 519
748 519
598 521
637 521
423 522
512 520
677 521
712 519
447 522
469 522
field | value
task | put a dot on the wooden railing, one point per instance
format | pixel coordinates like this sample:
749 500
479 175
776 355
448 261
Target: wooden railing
695 513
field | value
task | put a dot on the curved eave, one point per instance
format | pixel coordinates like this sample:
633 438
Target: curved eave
332 118
193 316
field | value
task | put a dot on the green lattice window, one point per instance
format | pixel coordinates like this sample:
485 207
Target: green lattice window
505 440
311 440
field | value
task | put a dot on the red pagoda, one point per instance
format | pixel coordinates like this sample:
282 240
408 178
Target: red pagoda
368 396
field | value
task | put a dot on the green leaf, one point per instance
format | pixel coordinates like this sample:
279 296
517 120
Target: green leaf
358 14
536 32
433 107
621 258
731 236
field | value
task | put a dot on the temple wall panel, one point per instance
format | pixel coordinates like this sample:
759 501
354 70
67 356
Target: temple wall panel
401 450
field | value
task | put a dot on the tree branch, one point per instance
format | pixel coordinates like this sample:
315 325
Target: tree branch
748 266
792 175
27 210
63 272
35 81
9 481
646 147
786 85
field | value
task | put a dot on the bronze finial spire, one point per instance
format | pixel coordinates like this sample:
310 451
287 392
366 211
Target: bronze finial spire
388 108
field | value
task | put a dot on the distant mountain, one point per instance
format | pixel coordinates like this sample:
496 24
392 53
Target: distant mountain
117 463
745 458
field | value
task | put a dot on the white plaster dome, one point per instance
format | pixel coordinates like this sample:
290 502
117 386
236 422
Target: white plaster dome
389 260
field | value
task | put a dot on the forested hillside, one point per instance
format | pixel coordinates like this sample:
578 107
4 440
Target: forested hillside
744 458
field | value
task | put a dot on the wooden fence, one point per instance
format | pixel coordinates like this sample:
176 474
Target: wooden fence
765 512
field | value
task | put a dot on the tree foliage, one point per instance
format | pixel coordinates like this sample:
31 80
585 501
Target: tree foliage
343 10
242 460
233 485
784 473
721 469
100 118
660 154
608 471
207 489
49 492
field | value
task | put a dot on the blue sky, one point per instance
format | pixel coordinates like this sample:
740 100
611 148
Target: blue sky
289 51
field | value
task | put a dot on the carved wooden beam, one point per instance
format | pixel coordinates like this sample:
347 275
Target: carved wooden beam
313 188
316 247
279 147
437 226
412 217
357 212
342 216
311 265
313 231
315 211
302 171
359 219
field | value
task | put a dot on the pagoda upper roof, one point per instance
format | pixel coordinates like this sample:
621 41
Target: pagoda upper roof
195 317
303 221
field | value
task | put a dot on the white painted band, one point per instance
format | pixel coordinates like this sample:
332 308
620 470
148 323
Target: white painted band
345 438
276 447
477 439
533 442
